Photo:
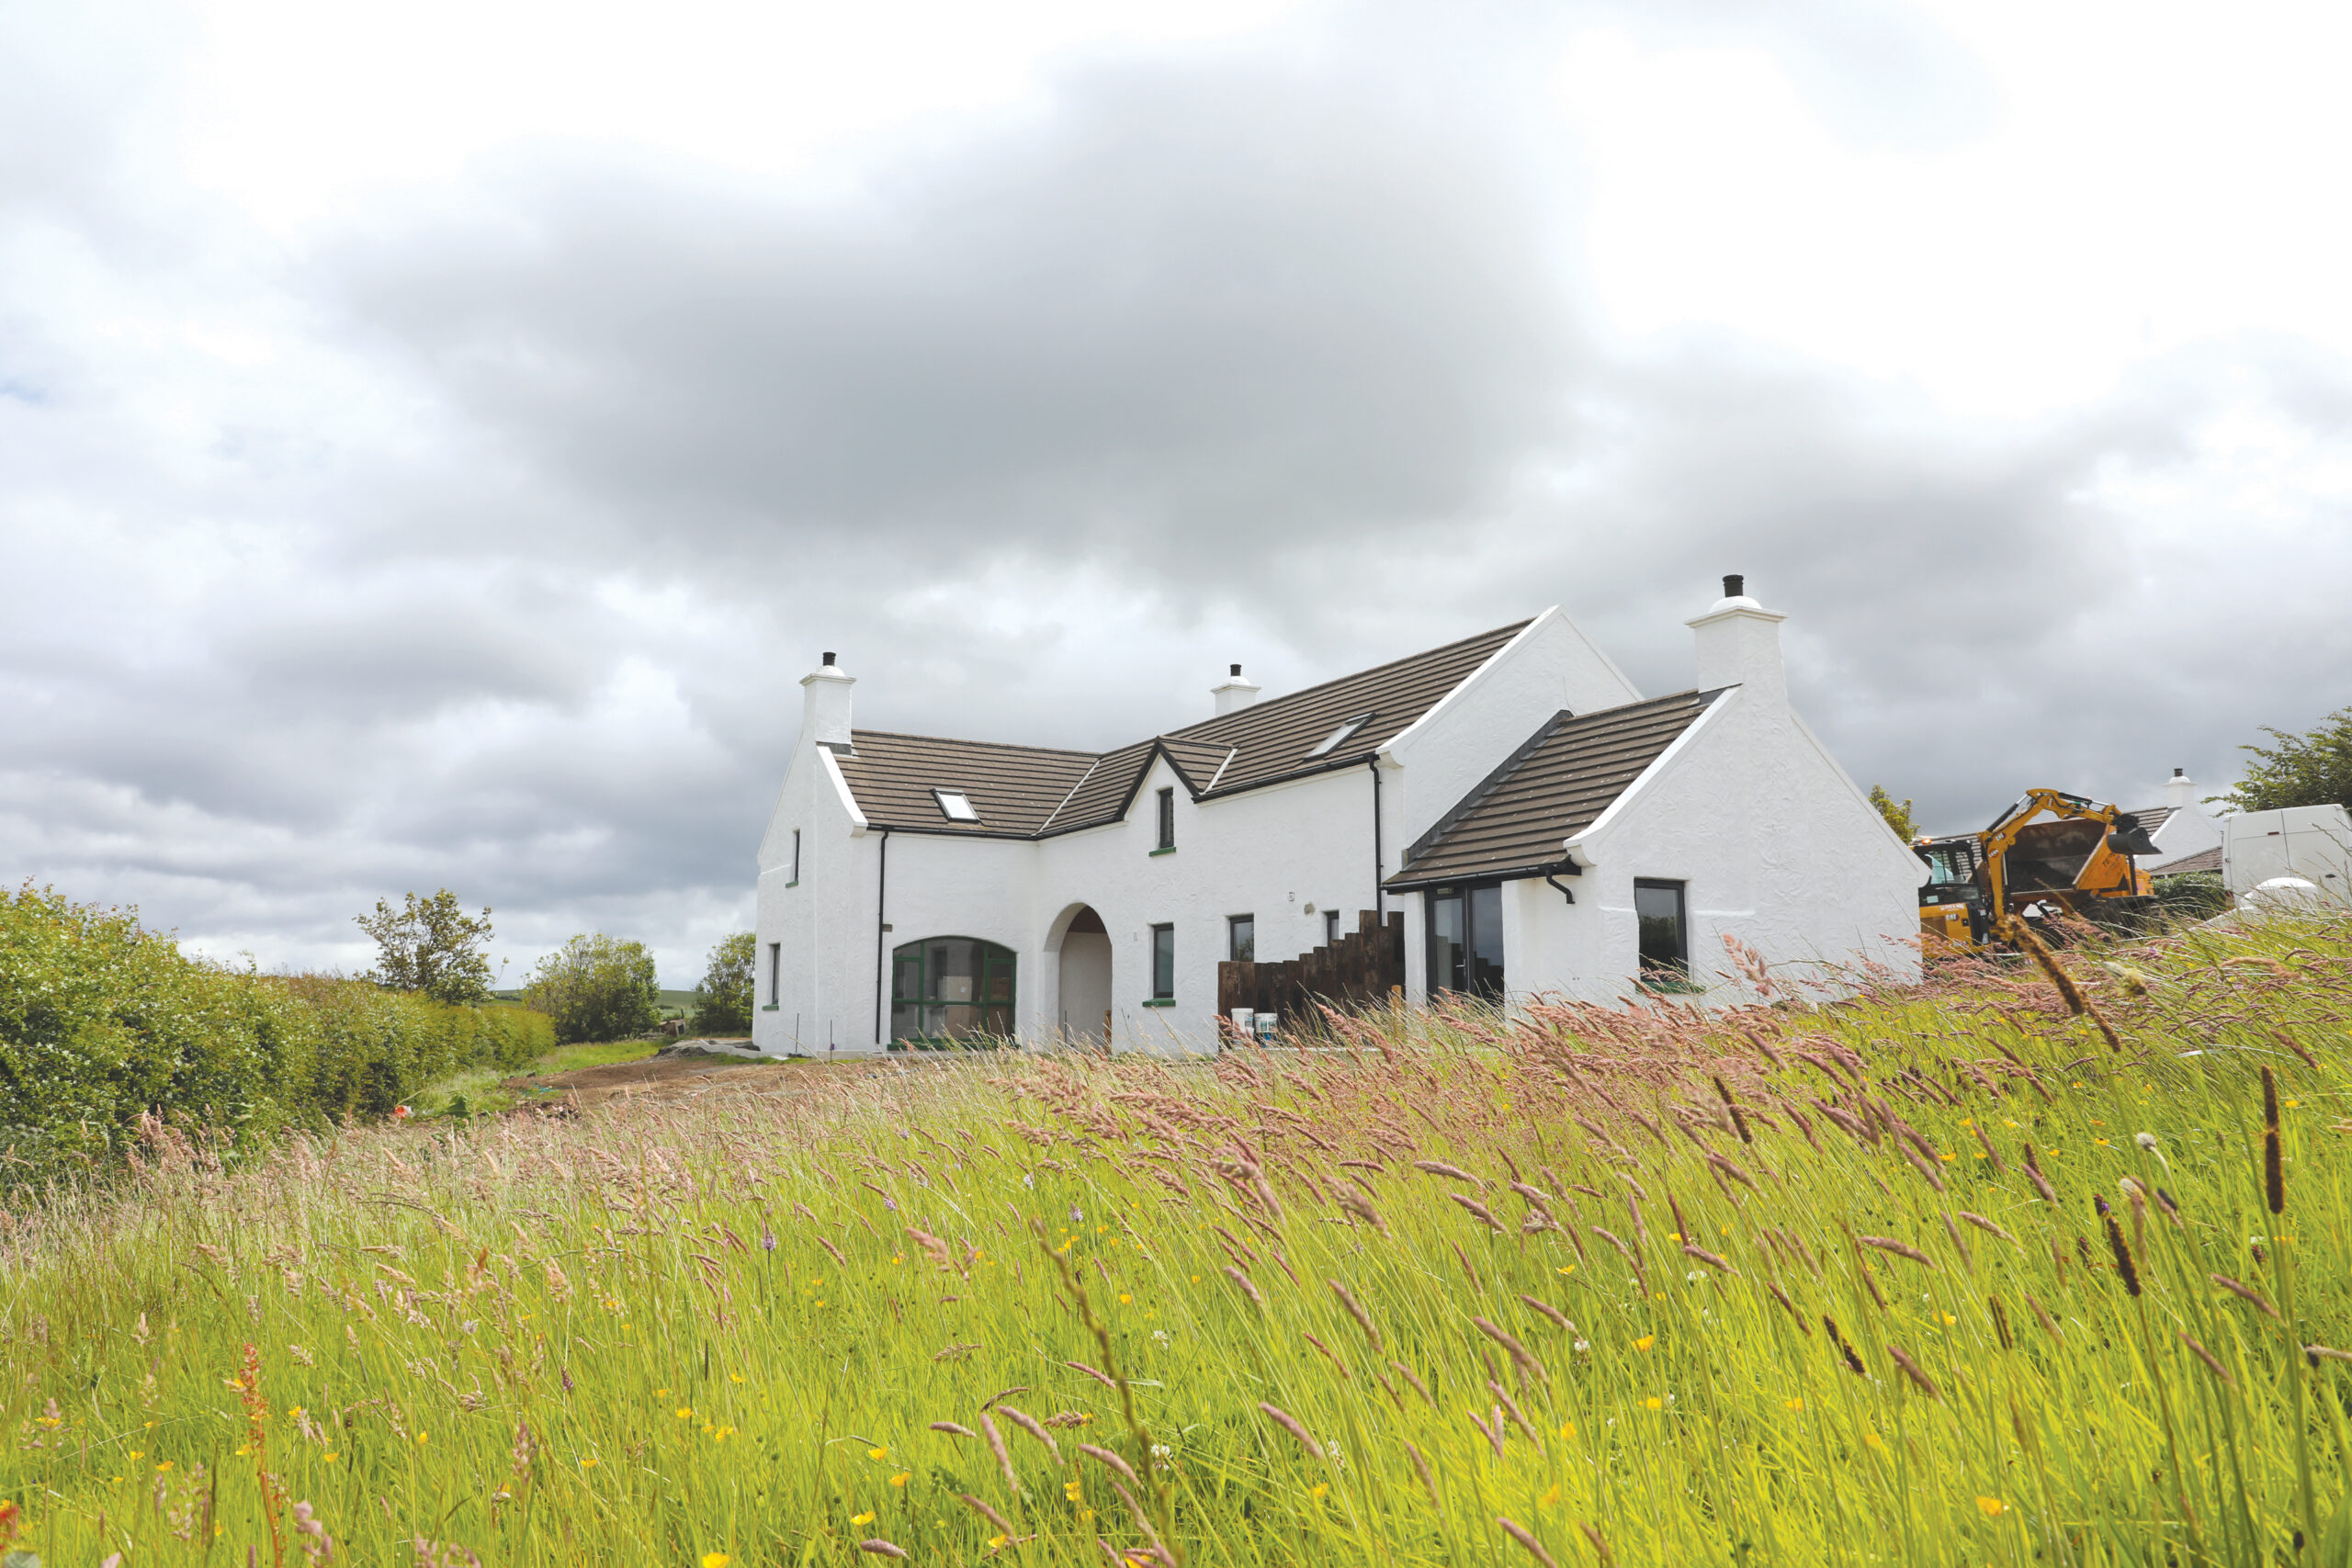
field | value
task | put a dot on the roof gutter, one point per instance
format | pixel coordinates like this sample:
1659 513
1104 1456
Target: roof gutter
1399 884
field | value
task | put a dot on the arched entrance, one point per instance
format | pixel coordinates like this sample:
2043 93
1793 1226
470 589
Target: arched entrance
950 990
1086 980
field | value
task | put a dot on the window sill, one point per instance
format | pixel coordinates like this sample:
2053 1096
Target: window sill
1167 850
1160 1002
794 883
771 1007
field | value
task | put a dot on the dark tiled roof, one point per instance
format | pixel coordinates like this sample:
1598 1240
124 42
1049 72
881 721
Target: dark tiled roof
1027 791
2203 860
1272 738
1556 784
1015 788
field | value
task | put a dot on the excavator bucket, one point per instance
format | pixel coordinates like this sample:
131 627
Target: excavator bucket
2129 837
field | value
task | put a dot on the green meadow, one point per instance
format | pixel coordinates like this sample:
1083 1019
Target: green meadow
1947 1274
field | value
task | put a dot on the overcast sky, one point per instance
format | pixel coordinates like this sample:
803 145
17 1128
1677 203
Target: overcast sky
436 437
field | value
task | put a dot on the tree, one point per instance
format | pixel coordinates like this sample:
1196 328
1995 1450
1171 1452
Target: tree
723 1000
598 988
1897 817
430 945
2310 769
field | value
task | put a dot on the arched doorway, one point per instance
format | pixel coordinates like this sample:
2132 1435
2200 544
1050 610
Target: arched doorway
1086 980
947 990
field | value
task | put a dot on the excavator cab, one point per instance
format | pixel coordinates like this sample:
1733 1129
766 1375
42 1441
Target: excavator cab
1954 904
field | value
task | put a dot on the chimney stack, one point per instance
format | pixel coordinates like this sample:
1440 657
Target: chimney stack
1234 694
2180 792
824 705
1740 644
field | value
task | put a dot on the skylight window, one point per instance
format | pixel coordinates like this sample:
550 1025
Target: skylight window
956 806
1340 735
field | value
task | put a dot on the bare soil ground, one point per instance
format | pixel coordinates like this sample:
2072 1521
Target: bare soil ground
685 1078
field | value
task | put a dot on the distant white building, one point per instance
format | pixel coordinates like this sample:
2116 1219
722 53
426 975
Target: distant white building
1542 826
2186 838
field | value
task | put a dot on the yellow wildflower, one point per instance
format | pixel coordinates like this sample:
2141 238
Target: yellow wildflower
1646 1341
996 1541
1072 1490
588 1464
715 1560
1126 1300
1319 1489
902 1478
1993 1508
882 1452
1551 1496
685 1411
866 1518
1569 1270
1653 1403
1795 1404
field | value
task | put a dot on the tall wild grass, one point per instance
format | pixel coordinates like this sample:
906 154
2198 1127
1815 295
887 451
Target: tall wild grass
103 1023
1936 1276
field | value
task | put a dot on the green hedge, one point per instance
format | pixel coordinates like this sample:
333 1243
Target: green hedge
101 1022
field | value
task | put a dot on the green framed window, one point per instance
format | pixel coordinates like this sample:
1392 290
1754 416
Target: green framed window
949 991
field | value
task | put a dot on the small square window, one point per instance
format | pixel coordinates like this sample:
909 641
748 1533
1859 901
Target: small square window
956 806
1340 735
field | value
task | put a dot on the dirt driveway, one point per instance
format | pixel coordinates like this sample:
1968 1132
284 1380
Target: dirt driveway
687 1076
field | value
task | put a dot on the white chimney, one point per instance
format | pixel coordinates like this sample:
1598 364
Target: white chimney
824 705
2180 792
1234 694
1740 644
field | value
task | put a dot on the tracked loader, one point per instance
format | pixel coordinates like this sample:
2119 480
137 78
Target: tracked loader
2050 851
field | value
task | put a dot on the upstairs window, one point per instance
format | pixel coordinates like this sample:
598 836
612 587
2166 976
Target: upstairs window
1242 938
796 854
1340 735
1167 819
956 806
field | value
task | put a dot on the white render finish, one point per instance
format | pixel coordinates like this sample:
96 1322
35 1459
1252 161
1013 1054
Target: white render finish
1778 847
2186 831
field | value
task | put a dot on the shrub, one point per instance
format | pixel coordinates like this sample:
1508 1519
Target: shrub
598 988
102 1021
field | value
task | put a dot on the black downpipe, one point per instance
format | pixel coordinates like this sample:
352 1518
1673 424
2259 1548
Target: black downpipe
881 890
1379 909
1566 891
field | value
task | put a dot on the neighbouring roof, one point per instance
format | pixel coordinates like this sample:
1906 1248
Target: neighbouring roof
2152 816
1553 787
1034 791
2203 860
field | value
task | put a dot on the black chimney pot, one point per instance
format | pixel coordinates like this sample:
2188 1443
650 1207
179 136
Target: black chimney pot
1735 586
1236 670
829 660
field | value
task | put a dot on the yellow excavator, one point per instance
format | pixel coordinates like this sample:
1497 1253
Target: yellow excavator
2050 849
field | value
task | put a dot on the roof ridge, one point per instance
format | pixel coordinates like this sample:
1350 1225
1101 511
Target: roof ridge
998 745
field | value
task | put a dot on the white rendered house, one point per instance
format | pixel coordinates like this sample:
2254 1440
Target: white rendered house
2186 838
1542 828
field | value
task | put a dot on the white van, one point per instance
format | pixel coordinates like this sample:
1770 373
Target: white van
2313 842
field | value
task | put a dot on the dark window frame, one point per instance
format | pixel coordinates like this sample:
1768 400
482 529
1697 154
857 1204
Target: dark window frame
1163 974
1467 971
992 961
1233 938
795 857
775 967
1673 970
1167 819
1330 928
